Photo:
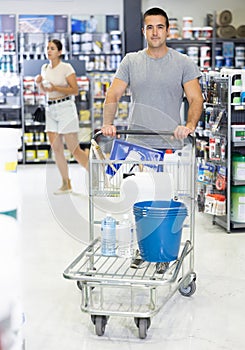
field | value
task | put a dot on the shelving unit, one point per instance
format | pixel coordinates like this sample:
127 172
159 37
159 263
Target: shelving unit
215 47
31 46
101 51
216 147
221 52
236 113
10 85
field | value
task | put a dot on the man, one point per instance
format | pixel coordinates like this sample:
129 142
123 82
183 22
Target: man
158 78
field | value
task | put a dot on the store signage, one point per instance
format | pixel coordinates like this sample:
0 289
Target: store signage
43 24
7 23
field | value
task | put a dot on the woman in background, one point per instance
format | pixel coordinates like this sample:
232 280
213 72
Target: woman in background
58 81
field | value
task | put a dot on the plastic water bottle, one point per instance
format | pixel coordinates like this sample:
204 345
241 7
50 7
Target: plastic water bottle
170 163
108 236
125 237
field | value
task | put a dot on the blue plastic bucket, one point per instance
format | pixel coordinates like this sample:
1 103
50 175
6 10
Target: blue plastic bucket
159 228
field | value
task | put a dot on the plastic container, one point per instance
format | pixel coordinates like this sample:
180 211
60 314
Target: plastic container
238 204
238 167
239 62
219 61
238 133
205 51
159 229
173 22
218 50
192 51
108 236
173 33
125 237
205 62
187 33
177 164
207 32
170 160
187 22
240 51
228 62
197 32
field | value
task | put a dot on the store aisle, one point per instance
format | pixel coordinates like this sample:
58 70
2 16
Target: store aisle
54 229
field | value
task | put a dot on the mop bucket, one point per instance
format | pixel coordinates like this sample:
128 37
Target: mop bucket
159 229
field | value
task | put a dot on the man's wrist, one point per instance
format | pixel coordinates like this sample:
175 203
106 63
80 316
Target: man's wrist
190 126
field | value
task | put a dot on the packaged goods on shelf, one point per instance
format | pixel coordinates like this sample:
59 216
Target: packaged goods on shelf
173 28
238 204
187 22
215 204
31 154
84 115
42 154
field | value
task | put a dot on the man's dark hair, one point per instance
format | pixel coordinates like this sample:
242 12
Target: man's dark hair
157 11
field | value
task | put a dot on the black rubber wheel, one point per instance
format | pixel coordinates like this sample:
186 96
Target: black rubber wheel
189 290
143 324
100 323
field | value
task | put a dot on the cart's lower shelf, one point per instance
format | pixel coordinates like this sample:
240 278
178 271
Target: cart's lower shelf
91 266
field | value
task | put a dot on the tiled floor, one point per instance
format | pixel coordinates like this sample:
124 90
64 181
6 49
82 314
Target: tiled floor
54 229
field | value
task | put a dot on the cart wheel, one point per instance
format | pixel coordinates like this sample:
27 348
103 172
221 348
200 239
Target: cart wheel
143 328
189 290
143 324
100 323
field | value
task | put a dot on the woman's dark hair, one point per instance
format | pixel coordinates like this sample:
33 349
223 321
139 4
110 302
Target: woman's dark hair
157 11
57 43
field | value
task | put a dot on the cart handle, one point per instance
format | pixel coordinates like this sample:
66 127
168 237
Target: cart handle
143 132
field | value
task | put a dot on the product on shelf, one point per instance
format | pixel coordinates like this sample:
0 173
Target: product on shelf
238 204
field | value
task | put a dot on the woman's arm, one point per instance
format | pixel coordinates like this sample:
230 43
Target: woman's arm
71 89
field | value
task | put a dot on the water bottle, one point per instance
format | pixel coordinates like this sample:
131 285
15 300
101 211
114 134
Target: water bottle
125 237
170 162
108 236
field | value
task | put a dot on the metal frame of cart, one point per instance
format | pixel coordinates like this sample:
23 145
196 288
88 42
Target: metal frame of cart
109 287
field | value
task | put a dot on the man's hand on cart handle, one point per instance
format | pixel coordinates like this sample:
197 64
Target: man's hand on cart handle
182 132
109 130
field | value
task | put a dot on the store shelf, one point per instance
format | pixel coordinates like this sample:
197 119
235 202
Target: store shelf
216 148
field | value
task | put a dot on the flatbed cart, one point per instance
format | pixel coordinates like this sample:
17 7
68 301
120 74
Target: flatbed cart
108 285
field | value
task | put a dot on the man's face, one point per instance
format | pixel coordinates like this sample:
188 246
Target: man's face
155 31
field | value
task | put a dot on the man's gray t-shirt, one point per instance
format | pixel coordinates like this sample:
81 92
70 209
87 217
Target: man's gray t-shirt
156 86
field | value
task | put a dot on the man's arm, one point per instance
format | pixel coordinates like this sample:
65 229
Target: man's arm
113 95
194 96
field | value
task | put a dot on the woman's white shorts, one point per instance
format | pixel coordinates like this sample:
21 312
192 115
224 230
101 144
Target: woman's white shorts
62 117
